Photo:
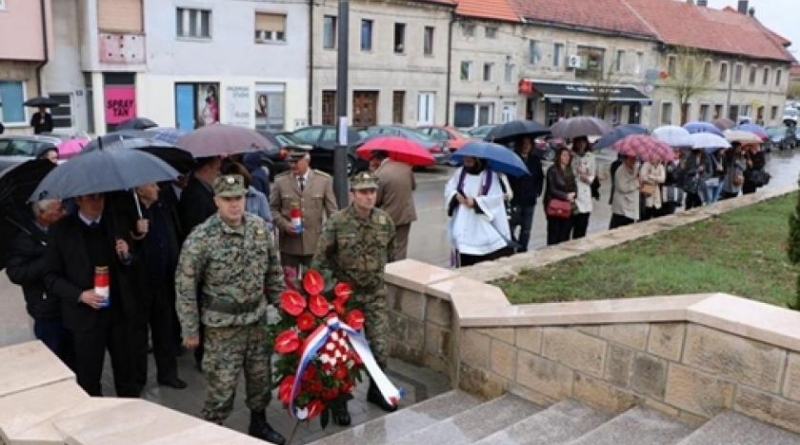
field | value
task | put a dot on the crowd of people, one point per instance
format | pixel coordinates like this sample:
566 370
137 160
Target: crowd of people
194 264
489 221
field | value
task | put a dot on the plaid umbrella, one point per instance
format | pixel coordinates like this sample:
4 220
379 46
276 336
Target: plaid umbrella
644 147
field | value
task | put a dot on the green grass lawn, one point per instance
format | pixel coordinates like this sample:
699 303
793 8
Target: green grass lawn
742 252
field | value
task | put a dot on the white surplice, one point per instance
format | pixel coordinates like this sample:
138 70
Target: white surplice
474 233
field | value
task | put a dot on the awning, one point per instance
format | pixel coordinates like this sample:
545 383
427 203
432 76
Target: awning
561 91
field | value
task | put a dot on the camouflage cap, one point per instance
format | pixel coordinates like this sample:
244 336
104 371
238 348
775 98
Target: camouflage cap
229 186
363 181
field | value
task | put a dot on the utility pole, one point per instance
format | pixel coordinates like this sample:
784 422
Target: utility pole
340 152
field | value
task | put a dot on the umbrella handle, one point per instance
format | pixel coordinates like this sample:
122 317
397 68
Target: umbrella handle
138 206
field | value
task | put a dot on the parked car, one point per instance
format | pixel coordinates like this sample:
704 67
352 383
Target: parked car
439 151
277 159
322 139
453 138
480 131
15 149
781 138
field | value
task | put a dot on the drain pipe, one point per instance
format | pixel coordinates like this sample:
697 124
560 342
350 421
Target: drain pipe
46 49
449 67
310 113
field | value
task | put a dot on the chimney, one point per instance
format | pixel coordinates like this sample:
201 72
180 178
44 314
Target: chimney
742 7
752 11
702 3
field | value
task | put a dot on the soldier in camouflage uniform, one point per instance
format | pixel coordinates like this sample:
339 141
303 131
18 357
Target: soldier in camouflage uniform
233 262
355 245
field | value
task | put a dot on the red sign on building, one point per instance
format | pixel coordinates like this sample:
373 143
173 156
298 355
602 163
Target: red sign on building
525 86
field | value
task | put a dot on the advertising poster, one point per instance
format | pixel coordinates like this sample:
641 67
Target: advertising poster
207 104
120 103
269 106
237 106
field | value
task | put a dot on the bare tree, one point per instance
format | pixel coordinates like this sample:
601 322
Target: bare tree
603 86
688 75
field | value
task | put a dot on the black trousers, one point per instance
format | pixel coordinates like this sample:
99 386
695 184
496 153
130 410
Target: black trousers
580 223
558 230
468 260
619 221
90 349
727 195
693 200
157 320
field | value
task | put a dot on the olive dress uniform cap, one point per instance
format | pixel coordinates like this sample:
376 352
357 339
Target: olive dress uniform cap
363 181
297 152
229 186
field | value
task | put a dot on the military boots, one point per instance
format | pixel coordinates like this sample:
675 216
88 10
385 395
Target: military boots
339 411
259 428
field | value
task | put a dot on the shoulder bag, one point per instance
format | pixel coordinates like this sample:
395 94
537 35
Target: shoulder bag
559 208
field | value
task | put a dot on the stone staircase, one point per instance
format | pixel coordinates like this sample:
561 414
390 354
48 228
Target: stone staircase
460 418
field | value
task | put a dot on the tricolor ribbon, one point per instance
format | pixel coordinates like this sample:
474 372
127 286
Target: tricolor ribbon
317 339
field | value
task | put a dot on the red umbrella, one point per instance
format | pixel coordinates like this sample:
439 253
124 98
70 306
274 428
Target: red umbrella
399 149
644 147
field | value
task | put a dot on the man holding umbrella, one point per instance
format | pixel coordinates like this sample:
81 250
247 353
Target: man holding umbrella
527 189
42 121
395 196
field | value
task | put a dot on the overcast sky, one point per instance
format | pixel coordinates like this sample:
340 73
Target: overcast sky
780 16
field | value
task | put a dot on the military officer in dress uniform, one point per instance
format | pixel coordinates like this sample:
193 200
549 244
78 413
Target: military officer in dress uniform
355 246
309 191
231 260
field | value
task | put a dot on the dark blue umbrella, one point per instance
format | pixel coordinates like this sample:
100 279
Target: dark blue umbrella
620 131
516 129
136 123
102 171
167 134
177 158
500 158
115 137
702 127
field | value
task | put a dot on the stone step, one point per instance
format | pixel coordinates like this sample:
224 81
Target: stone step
404 421
637 426
734 428
30 365
556 425
473 424
22 410
45 433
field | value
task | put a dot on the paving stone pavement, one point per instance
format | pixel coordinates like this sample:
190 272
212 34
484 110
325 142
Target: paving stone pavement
419 384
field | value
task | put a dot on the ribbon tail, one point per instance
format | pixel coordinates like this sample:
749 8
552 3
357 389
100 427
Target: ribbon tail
389 392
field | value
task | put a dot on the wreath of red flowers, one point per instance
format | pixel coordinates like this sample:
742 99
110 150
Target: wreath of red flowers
336 368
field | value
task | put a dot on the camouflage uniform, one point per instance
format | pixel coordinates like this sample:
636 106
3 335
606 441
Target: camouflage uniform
236 269
355 250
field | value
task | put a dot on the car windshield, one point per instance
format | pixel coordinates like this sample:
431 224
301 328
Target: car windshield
285 139
481 131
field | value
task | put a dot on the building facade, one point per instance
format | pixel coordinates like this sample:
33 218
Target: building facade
398 62
26 41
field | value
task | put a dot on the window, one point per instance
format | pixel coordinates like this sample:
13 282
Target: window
62 114
765 78
737 74
399 38
466 70
534 52
639 62
270 27
558 54
509 112
329 32
591 62
328 108
491 32
666 113
487 71
509 72
194 23
753 74
118 16
398 106
672 64
773 113
707 71
733 113
703 112
468 29
620 61
12 95
428 41
778 76
717 111
366 35
723 72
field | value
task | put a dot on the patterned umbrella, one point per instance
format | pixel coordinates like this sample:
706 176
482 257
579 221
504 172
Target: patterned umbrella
702 127
580 126
723 123
644 147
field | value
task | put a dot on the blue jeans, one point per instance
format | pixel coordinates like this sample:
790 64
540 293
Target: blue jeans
524 220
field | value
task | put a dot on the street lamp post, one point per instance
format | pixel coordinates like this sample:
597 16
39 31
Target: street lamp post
340 152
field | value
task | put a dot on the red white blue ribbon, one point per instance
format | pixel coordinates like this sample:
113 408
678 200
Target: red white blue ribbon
359 343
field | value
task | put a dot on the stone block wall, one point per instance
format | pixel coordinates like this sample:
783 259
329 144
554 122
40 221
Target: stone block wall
683 369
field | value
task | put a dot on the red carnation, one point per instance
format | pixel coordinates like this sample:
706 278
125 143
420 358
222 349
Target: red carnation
286 342
355 319
306 321
315 408
292 302
329 394
313 282
341 373
342 291
309 374
318 305
285 389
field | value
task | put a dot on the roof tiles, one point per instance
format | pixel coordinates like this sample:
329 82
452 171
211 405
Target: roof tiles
606 15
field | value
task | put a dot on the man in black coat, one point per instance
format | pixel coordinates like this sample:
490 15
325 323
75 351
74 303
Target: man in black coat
78 244
42 121
526 190
26 266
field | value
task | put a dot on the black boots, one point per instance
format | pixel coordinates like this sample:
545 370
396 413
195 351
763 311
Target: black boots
339 411
374 396
259 428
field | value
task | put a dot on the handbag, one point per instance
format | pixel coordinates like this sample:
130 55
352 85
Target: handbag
759 177
559 208
738 179
648 189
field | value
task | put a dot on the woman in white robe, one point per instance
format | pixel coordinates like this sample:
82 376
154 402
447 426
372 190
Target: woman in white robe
478 227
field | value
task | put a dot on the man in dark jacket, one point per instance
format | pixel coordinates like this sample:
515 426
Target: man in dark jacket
257 165
26 267
42 121
78 245
526 190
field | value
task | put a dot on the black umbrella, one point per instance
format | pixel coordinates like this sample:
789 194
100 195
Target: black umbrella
516 129
136 123
178 158
116 136
41 102
580 126
103 171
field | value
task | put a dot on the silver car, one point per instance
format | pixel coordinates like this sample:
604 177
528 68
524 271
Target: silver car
15 149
